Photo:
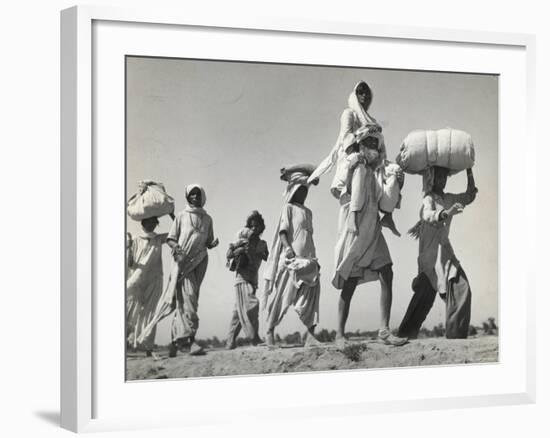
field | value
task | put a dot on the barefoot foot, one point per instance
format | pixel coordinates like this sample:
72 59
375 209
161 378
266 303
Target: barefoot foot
195 349
341 341
257 341
387 221
312 341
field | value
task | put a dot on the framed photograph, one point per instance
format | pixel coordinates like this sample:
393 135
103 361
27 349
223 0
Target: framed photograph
253 208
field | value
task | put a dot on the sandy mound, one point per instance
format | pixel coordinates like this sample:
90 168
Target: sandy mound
361 354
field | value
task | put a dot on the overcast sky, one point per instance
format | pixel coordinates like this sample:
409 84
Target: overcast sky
231 126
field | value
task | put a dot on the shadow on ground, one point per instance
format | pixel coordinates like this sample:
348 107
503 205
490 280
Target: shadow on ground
51 417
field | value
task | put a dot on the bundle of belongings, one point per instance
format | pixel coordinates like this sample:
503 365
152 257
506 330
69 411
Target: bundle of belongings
298 174
150 200
450 148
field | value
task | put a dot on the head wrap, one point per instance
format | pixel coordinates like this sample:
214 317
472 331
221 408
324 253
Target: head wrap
296 176
203 196
364 117
361 134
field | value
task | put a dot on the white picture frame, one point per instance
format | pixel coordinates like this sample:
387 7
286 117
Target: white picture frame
82 390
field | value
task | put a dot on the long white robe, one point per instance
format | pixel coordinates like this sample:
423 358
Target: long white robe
143 287
294 282
360 255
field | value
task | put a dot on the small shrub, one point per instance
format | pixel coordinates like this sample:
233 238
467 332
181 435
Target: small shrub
487 329
354 351
325 336
293 339
424 333
438 331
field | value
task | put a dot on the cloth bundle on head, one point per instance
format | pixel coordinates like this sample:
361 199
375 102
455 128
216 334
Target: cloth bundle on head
297 175
422 150
150 200
296 172
450 148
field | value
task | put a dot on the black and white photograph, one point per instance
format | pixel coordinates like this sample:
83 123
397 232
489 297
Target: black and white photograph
275 219
288 218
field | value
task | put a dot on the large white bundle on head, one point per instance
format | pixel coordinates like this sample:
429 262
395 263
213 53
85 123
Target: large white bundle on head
150 200
450 148
291 171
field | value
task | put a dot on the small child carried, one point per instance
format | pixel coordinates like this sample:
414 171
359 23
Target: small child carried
236 254
390 174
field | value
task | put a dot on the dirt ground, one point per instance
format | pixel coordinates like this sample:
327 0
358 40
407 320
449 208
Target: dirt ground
291 359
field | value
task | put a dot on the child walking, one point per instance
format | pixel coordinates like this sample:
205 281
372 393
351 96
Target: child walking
245 257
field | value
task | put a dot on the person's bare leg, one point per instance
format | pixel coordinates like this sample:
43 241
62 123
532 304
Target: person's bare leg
234 330
194 348
343 307
270 338
386 282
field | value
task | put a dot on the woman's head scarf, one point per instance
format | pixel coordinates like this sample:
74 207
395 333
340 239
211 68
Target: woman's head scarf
364 117
366 121
188 191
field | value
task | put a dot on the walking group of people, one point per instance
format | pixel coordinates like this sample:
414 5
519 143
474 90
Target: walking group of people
367 187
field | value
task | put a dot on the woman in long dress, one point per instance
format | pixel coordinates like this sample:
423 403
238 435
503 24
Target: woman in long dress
356 123
355 119
190 236
439 270
143 283
292 272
